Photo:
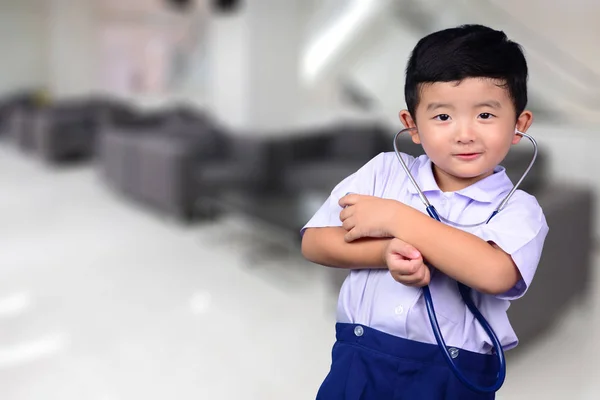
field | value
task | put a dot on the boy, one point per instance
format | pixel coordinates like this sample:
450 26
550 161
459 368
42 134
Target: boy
466 91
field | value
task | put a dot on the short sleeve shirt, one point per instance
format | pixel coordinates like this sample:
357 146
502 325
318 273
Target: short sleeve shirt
373 298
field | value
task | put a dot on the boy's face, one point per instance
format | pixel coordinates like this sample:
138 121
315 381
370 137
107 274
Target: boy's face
465 128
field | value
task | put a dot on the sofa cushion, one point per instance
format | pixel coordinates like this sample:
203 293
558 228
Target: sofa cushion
318 175
517 161
359 142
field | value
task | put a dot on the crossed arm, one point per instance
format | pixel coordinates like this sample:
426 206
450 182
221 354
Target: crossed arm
327 246
369 223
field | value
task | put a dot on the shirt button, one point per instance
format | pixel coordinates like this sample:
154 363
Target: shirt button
358 331
399 310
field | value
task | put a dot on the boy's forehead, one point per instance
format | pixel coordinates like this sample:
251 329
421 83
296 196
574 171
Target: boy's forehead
467 90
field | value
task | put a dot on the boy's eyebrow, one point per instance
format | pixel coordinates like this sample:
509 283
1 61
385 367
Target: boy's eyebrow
435 106
489 103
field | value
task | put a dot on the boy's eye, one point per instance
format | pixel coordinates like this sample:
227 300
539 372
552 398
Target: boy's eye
485 115
442 117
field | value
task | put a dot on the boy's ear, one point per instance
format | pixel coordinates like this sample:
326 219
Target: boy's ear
523 123
408 122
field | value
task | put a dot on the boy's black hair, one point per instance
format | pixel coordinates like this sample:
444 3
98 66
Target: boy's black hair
468 51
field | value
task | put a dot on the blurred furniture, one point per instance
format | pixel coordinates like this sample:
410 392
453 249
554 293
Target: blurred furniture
166 163
8 105
66 131
116 145
19 117
294 163
264 174
151 157
330 154
564 273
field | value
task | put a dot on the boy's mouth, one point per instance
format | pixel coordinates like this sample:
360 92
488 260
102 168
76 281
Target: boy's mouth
467 156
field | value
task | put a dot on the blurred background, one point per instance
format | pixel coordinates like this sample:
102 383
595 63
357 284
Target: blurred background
158 158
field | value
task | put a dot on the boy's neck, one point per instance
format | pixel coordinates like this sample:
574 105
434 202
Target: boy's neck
449 183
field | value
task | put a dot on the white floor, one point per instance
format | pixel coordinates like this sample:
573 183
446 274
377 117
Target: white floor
103 300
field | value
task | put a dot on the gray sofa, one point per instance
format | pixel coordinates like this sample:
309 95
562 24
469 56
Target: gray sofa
16 110
117 144
65 132
61 130
166 165
151 158
565 268
317 161
21 127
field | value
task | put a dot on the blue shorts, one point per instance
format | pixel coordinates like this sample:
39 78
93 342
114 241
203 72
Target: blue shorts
369 364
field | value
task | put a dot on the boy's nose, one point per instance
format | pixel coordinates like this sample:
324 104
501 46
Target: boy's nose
465 135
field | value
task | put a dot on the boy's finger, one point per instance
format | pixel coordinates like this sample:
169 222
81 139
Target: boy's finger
351 235
347 200
405 249
411 279
406 268
344 214
426 279
418 279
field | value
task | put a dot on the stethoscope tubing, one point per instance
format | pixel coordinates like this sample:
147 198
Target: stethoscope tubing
464 290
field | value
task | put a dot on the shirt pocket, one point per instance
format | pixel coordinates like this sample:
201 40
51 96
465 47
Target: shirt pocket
447 301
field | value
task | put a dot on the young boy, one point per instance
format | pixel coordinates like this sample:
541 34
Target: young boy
466 91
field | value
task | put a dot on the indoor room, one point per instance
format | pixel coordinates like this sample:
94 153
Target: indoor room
159 159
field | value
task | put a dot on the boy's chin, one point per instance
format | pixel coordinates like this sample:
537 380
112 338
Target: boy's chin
466 173
471 175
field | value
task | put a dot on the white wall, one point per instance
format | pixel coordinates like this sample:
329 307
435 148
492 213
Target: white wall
254 70
75 37
228 50
570 25
71 47
560 43
22 45
381 67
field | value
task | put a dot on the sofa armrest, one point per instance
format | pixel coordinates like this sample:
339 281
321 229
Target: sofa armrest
246 164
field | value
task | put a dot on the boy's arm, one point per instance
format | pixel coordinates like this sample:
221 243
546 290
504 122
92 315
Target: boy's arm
326 246
323 237
507 255
463 256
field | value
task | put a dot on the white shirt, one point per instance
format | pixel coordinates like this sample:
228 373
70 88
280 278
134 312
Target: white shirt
373 298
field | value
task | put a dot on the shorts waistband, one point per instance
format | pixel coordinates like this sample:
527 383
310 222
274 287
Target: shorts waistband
406 349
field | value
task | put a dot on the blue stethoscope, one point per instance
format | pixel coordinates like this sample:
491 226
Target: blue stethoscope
465 291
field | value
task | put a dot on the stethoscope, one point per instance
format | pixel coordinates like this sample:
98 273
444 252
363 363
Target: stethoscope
465 291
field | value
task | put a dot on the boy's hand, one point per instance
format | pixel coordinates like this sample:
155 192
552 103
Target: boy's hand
406 264
367 216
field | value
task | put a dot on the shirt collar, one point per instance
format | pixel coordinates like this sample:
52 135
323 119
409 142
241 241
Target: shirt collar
484 191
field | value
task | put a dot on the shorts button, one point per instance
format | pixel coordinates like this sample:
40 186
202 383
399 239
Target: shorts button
358 331
453 352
